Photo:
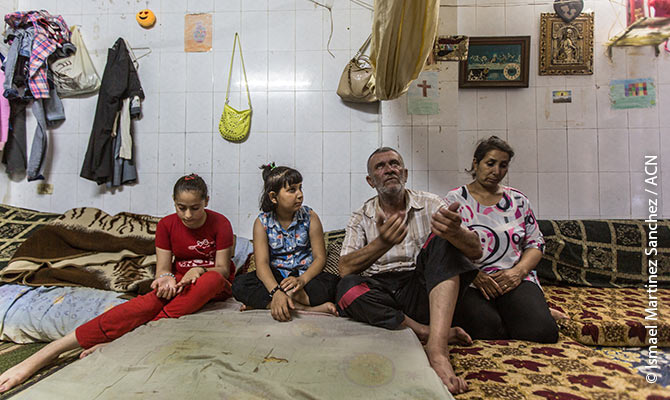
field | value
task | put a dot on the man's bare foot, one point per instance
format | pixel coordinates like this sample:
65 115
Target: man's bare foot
459 336
558 315
91 350
420 330
440 363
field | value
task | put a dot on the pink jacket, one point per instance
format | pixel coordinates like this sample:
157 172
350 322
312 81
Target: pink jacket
4 115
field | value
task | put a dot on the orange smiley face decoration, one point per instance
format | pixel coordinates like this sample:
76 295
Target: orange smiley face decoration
146 18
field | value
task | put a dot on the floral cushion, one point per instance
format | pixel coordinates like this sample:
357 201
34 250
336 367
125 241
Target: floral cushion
501 369
609 316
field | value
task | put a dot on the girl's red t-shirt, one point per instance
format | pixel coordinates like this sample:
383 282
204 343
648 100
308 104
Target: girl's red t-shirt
194 247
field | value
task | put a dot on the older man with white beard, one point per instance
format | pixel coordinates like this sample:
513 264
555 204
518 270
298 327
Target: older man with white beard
405 259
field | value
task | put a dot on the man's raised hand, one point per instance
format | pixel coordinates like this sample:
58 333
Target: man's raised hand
392 230
446 222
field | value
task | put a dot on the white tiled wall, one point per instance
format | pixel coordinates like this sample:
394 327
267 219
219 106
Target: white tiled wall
581 159
298 120
576 160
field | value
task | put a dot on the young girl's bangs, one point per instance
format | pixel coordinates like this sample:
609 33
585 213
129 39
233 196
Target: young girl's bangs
291 177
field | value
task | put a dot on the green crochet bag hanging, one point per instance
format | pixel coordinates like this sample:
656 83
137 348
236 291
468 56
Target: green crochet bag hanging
234 124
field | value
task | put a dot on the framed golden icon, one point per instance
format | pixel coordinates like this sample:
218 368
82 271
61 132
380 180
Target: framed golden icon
566 48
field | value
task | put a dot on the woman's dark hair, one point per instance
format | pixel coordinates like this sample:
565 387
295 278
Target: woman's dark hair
191 183
486 145
274 179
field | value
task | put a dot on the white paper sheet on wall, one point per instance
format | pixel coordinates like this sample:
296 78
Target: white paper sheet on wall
423 94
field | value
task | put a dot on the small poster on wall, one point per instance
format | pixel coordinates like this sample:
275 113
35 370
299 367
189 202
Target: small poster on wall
633 93
198 32
561 96
423 94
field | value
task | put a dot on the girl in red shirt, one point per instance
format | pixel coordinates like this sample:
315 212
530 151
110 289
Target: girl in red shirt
200 241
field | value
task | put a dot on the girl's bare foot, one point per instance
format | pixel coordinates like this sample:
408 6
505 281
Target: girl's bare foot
26 368
17 375
440 363
558 315
459 336
91 350
326 307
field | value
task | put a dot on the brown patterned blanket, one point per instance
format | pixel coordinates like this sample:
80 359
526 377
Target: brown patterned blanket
88 247
16 225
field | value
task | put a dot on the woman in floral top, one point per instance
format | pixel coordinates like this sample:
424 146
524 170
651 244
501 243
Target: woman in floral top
505 300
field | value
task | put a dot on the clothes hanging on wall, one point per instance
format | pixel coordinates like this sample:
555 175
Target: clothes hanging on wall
33 37
47 112
120 81
50 32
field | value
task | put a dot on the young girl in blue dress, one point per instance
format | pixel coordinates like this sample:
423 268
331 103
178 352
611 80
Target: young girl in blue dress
289 252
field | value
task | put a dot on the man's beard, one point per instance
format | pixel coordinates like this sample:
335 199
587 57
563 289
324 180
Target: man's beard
391 190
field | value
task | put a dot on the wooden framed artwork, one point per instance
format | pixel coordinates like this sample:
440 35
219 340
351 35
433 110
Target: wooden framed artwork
566 48
495 61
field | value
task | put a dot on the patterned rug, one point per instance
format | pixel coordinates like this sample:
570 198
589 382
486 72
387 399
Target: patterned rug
567 370
636 358
610 316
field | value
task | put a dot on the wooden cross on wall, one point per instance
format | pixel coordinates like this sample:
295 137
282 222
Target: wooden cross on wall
424 86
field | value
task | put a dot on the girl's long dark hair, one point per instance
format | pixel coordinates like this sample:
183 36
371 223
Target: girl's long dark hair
274 179
192 183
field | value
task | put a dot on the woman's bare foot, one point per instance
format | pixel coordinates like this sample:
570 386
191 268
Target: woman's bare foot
440 363
91 350
459 336
558 315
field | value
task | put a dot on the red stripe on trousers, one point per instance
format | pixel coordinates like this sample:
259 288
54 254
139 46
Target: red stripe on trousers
431 237
352 294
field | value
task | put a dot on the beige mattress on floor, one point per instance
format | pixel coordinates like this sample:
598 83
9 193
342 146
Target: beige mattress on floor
226 354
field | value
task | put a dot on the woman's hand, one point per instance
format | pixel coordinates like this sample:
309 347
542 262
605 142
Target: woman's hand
292 284
281 306
190 277
508 279
165 287
487 285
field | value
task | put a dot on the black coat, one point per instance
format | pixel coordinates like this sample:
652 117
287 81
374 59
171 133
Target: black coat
119 81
